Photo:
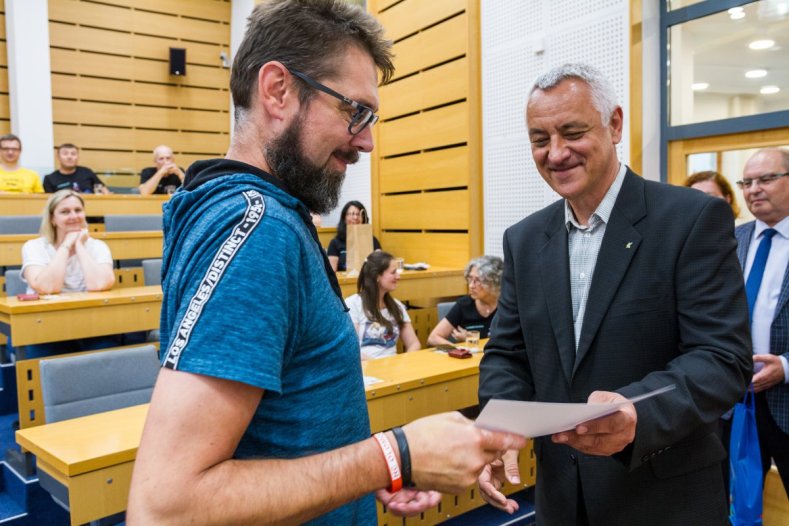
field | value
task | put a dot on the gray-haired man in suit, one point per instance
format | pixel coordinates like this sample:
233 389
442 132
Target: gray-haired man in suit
622 287
764 255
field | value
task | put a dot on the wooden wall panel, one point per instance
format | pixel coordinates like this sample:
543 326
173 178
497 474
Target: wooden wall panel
5 109
99 65
424 171
206 9
112 91
431 129
435 45
427 162
440 249
427 89
410 16
426 211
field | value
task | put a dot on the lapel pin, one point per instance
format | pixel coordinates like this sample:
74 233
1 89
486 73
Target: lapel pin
629 244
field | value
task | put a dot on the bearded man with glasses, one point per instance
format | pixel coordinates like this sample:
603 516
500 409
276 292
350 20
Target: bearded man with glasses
259 412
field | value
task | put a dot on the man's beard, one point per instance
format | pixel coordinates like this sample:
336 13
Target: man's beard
317 187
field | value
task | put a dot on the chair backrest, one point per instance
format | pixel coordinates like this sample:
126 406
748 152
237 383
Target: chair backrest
13 283
444 308
20 224
124 189
152 271
129 223
74 386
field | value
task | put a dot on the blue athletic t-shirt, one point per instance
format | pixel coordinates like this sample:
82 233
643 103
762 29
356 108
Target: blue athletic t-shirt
246 298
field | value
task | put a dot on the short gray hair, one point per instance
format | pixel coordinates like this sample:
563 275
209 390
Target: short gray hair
603 94
489 269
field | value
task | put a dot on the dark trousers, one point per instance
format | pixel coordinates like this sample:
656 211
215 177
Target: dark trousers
724 432
774 443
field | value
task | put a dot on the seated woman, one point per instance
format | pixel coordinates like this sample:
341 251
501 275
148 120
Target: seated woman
66 259
475 311
380 319
353 213
714 184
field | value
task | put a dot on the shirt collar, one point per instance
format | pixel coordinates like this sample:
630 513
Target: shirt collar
604 209
782 227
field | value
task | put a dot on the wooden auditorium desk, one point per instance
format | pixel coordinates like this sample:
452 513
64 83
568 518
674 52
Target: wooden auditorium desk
436 282
123 245
79 315
95 205
92 456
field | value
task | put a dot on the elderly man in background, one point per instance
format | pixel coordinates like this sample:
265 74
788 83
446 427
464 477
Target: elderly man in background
165 176
764 254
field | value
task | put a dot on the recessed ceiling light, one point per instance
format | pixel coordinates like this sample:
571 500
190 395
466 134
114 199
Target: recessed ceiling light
737 16
761 44
769 90
735 10
756 73
699 86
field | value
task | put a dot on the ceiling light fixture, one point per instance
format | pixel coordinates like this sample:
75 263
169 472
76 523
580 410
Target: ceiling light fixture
761 44
699 86
769 90
756 73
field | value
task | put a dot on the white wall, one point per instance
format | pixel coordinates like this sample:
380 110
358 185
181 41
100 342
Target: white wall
520 40
29 82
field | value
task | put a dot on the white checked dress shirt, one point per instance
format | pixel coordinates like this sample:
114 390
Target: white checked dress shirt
770 289
584 245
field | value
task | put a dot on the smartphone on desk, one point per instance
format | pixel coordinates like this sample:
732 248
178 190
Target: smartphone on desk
445 347
28 297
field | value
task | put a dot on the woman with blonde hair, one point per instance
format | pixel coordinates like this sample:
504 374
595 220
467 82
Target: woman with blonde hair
66 259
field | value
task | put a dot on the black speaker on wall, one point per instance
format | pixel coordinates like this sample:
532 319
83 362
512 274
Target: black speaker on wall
177 61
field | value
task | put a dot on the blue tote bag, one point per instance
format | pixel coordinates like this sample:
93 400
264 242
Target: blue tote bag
745 464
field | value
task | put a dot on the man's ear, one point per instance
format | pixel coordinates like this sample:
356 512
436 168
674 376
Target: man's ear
276 91
616 124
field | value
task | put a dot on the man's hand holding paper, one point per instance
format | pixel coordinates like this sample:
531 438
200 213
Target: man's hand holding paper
606 435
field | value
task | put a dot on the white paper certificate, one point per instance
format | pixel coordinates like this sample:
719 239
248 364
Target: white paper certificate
534 419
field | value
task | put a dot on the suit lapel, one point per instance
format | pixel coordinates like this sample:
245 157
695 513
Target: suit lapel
555 277
620 244
743 235
783 298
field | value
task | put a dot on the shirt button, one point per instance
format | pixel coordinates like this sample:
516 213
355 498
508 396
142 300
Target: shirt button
587 235
573 459
583 275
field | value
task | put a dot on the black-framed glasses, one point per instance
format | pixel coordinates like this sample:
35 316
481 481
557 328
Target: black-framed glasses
763 180
364 115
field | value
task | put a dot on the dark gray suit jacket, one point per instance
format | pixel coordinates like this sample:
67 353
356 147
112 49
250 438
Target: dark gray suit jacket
666 306
777 396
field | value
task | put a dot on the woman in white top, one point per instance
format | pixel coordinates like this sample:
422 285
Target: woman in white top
380 319
65 258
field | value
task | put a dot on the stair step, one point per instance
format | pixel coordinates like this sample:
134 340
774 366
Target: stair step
10 509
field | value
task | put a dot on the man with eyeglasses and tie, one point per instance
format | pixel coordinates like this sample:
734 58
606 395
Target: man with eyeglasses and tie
764 255
259 413
14 178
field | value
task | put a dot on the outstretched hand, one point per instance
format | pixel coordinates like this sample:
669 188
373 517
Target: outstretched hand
448 452
408 501
493 478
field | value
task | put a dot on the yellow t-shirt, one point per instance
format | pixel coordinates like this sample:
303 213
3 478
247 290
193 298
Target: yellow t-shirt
20 180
